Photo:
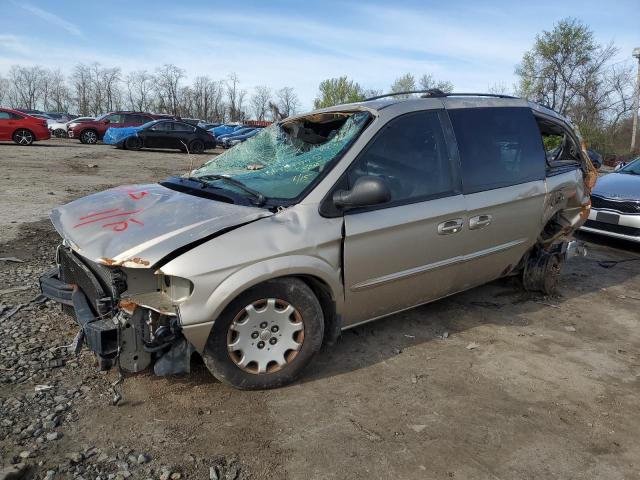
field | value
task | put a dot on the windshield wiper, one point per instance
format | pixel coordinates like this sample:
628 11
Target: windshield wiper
259 197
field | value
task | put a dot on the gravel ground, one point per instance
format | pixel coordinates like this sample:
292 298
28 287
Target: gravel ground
492 383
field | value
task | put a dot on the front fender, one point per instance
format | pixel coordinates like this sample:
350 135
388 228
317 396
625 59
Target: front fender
198 319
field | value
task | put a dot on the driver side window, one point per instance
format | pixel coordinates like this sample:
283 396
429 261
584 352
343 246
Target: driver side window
115 118
410 154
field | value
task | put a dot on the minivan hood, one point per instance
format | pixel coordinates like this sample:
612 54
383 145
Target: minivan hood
138 225
622 186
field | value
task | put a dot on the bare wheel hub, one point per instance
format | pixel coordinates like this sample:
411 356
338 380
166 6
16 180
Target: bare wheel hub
265 336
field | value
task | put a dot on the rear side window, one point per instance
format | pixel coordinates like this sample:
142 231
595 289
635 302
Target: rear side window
183 127
4 116
410 153
498 147
162 127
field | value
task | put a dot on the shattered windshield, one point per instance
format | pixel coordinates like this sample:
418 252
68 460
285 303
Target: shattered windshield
283 159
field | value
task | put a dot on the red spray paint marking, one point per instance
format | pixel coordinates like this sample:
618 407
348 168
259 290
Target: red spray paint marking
122 225
137 196
104 215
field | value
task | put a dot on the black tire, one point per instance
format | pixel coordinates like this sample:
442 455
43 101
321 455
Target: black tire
133 143
89 137
196 147
23 137
542 272
217 354
60 133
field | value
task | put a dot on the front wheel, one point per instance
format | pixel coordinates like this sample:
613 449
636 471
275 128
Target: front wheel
266 336
133 143
23 137
90 137
60 133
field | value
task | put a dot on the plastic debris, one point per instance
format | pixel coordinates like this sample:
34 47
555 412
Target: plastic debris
472 346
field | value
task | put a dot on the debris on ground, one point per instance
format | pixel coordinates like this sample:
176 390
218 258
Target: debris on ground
472 346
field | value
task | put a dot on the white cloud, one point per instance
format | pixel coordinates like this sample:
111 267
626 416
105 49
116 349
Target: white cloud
51 18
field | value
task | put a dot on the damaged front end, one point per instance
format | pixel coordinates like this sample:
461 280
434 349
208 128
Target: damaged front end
126 315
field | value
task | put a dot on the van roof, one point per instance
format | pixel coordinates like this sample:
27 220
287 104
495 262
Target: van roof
450 100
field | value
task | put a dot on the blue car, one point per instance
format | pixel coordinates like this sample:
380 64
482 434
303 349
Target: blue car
225 129
240 131
236 139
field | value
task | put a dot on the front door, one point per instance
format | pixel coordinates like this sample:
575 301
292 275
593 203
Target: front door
158 136
503 170
404 253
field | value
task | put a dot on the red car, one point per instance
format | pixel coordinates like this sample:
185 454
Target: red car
92 131
22 128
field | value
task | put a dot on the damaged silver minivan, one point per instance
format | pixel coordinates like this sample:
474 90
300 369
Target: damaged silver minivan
321 222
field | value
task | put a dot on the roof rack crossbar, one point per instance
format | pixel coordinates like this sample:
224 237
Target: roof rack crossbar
435 93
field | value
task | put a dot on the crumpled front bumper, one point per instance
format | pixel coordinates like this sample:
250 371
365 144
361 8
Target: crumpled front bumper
100 332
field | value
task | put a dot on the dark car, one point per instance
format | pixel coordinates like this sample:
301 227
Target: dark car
161 134
92 131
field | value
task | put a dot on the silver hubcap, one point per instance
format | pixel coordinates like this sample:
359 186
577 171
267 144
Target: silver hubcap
265 336
90 137
24 137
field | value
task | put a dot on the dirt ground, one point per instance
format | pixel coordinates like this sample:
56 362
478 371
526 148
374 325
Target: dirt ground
493 383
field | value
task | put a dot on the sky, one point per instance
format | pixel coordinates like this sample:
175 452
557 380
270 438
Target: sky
287 43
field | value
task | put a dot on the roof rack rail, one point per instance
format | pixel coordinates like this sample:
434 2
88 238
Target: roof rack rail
435 93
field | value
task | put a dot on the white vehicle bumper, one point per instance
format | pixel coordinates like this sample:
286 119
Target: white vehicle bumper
613 224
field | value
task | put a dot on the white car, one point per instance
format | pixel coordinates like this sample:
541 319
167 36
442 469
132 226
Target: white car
60 129
615 204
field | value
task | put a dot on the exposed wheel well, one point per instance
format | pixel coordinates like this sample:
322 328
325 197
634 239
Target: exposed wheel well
22 128
332 323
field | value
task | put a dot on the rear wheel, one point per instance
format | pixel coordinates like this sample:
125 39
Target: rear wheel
23 137
60 133
196 146
90 137
133 143
542 272
266 336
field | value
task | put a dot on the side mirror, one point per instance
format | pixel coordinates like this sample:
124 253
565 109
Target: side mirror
368 190
106 121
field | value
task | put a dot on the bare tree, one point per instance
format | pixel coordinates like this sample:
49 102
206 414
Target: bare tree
498 88
25 86
111 79
207 99
260 102
59 95
287 101
235 98
4 88
168 79
140 87
81 87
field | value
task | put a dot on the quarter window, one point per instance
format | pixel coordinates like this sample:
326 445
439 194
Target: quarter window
498 147
410 153
4 116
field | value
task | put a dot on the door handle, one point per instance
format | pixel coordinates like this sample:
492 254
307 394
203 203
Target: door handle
450 226
479 221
